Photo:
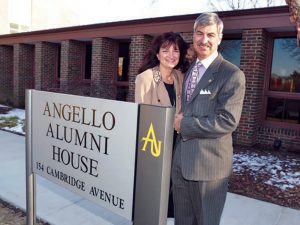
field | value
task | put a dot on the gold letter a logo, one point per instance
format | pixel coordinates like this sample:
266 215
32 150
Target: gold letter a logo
155 146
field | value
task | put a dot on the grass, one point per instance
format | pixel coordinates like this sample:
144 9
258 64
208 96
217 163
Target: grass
8 121
11 120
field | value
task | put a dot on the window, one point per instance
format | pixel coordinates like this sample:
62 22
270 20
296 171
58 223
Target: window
88 61
285 73
283 110
121 79
283 94
231 50
123 62
58 58
17 28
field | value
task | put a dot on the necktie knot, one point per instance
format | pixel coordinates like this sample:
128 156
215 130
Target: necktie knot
198 65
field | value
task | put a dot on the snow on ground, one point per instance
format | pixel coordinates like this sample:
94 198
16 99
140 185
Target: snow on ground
281 173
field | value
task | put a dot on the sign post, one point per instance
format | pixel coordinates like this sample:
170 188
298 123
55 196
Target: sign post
93 147
86 145
154 156
30 176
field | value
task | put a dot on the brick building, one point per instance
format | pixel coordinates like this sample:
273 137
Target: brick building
102 60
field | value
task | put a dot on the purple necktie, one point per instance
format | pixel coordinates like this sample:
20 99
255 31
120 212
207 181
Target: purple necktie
193 80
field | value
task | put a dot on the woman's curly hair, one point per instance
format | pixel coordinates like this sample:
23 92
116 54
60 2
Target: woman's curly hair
164 40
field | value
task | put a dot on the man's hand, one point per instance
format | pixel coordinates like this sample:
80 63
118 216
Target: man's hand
177 122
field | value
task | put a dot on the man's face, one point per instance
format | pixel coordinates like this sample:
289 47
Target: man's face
206 40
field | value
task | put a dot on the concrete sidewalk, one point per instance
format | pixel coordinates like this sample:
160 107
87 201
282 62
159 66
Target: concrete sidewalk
59 206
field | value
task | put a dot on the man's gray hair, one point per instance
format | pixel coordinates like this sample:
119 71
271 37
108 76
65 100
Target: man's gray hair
206 19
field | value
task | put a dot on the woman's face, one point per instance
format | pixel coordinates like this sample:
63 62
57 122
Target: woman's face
168 55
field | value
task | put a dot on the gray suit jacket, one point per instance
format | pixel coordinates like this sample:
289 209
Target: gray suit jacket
210 117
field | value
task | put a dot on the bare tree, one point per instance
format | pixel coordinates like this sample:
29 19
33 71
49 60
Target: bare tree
152 2
270 3
255 2
218 5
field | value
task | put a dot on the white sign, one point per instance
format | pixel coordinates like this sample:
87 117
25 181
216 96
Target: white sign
86 145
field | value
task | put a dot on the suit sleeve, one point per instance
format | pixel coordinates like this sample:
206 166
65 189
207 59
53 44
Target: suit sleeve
226 115
142 90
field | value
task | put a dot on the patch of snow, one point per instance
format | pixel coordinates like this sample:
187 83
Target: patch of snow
20 113
270 165
4 106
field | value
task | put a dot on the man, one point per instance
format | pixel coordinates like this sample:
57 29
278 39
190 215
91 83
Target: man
202 160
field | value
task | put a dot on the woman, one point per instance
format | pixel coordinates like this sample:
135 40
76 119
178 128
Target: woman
160 81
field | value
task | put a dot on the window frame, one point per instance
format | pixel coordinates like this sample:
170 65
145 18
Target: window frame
275 94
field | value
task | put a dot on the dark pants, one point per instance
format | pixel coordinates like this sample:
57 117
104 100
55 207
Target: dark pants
197 202
171 204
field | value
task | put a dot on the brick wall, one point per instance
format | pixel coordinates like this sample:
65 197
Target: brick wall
6 74
23 74
290 139
253 59
187 36
138 47
26 66
104 67
46 59
71 65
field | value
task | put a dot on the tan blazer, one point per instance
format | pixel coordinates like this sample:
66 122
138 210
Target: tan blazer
150 89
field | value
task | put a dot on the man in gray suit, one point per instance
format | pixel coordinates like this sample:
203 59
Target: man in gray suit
212 100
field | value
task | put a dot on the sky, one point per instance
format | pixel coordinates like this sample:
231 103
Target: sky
93 11
119 10
45 14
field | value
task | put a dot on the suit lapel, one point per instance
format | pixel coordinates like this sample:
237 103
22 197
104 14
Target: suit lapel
208 77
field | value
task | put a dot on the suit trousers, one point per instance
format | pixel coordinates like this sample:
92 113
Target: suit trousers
196 202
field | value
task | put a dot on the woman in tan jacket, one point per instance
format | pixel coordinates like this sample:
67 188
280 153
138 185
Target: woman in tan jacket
160 77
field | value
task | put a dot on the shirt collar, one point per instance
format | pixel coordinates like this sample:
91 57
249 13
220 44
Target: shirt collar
206 62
